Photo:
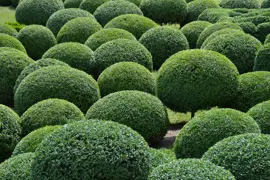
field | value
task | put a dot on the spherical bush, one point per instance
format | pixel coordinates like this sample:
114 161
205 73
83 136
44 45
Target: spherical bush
267 39
262 31
36 39
92 150
75 54
165 11
265 4
141 111
126 76
9 131
91 5
246 155
9 49
57 82
193 30
61 17
214 15
248 27
134 23
105 35
10 41
72 3
6 29
196 79
17 167
210 127
232 4
254 88
120 50
162 42
262 59
190 169
37 11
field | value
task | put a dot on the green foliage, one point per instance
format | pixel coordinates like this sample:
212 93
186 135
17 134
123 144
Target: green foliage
17 26
91 5
15 2
214 15
262 62
37 11
141 111
72 3
249 4
56 82
92 149
78 30
248 27
134 23
6 29
196 79
265 4
267 39
10 41
262 31
4 49
190 169
246 156
162 42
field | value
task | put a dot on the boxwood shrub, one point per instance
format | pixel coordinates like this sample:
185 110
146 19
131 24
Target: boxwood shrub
248 27
262 59
91 5
72 3
249 4
6 29
265 4
267 39
262 31
10 41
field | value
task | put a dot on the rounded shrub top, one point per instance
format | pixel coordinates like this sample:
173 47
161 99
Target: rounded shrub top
210 127
112 9
246 156
92 150
36 39
91 5
6 29
162 42
267 39
9 49
105 35
37 11
56 82
120 50
265 4
10 41
196 79
165 11
134 23
232 4
141 111
262 59
126 76
17 167
75 54
190 169
72 3
61 17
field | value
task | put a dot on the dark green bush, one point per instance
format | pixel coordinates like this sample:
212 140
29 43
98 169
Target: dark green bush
56 82
15 2
10 131
92 149
72 3
196 79
75 54
248 27
256 19
120 50
262 61
141 111
91 5
134 23
210 127
190 169
17 26
78 30
5 2
105 35
262 31
249 4
37 11
10 41
162 42
267 39
4 49
6 29
265 4
246 156
214 15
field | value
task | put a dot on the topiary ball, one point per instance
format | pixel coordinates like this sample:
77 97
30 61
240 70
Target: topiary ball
36 39
193 30
10 131
10 41
92 150
262 59
37 11
232 4
91 5
265 4
254 88
262 31
56 82
58 19
72 3
134 23
6 29
141 111
9 49
210 127
196 79
162 42
165 11
246 155
105 35
190 169
17 167
111 9
121 50
267 39
126 76
75 54
31 142
248 27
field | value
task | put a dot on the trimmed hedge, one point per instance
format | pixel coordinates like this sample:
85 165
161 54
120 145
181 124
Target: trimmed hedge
267 39
190 169
141 111
210 127
92 150
196 79
72 3
265 4
214 15
105 35
262 31
10 41
248 27
9 49
57 82
6 29
262 59
232 4
91 5
37 11
78 30
246 155
134 23
162 42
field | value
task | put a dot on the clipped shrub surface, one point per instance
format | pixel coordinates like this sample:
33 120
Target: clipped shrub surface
267 39
72 3
262 31
91 5
10 41
265 4
262 59
249 4
6 29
